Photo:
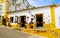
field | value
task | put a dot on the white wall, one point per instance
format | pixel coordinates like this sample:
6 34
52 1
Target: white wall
2 9
57 15
45 11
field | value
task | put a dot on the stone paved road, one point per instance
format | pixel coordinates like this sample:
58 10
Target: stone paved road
11 33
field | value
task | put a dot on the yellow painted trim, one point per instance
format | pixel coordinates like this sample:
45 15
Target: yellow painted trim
46 26
1 1
52 15
14 25
6 12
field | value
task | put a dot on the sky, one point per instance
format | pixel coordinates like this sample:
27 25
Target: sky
43 2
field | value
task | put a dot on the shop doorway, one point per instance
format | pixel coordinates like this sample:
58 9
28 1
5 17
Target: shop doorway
3 21
11 19
22 19
39 20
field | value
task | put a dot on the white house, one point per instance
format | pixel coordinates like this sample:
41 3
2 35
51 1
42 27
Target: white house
20 10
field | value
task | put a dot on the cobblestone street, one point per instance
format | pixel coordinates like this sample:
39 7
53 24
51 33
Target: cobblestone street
11 33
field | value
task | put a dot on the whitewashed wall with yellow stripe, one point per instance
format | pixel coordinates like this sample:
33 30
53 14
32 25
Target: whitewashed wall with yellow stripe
45 11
